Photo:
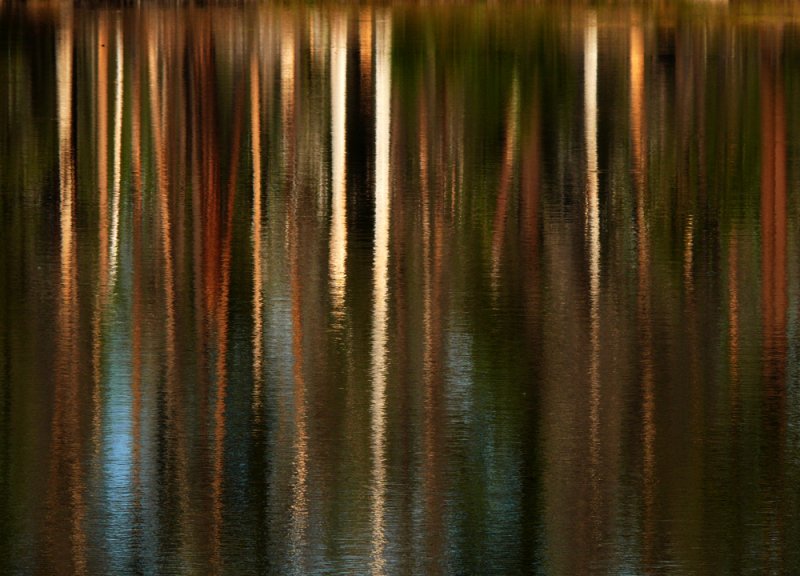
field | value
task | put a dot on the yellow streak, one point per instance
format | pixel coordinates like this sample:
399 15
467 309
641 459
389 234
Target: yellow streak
258 302
287 83
338 239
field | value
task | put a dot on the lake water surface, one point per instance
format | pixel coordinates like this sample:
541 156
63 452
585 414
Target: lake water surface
413 290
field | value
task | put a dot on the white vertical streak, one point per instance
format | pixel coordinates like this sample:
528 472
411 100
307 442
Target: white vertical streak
593 232
66 175
115 200
338 239
383 89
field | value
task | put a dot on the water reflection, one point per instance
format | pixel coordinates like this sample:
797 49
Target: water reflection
338 241
380 290
491 291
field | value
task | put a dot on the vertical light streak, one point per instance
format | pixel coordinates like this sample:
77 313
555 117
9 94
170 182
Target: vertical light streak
643 264
258 301
66 428
102 185
299 532
287 88
220 424
383 86
365 45
117 159
774 281
158 117
338 239
593 240
506 176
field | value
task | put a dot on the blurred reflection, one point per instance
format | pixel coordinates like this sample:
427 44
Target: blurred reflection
644 295
258 300
102 188
501 212
774 286
338 239
593 241
489 293
380 289
66 508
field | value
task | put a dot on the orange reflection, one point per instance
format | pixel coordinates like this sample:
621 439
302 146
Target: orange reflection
506 176
288 91
643 271
365 46
258 302
773 209
774 283
158 58
66 469
221 329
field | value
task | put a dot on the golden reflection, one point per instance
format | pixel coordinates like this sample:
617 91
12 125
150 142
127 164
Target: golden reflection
65 460
380 293
338 237
365 45
506 177
288 87
158 118
593 241
644 287
158 90
299 532
258 300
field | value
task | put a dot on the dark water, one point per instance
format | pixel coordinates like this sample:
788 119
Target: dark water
465 290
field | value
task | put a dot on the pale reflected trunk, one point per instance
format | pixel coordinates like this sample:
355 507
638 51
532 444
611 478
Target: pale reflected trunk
592 219
119 87
338 237
380 292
